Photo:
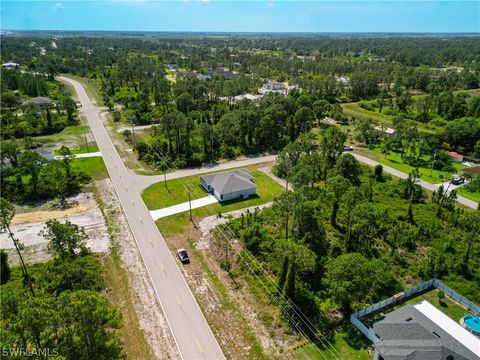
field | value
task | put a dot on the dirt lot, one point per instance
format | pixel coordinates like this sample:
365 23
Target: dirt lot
147 309
27 225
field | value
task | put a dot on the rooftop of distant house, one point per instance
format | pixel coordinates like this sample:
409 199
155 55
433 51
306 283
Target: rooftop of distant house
41 100
422 332
455 155
10 65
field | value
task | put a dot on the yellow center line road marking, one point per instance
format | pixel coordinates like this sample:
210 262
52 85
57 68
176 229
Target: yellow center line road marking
178 299
199 346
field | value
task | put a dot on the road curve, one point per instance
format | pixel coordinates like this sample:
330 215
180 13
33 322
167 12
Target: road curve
426 185
193 336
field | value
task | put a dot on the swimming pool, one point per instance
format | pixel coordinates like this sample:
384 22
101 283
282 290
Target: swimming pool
472 323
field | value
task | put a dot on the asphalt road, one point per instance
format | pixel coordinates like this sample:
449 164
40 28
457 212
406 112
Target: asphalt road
193 336
144 181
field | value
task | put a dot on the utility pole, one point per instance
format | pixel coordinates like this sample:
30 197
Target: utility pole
190 203
86 142
227 263
286 219
211 138
433 162
287 199
133 131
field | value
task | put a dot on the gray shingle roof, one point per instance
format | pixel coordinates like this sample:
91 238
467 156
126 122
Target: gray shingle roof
407 334
230 181
41 100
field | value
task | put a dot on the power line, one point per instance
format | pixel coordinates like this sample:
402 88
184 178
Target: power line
311 327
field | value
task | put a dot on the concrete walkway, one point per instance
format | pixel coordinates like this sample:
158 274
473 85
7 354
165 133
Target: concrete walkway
84 155
144 181
179 208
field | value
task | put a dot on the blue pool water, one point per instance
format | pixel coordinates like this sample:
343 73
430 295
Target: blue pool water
473 322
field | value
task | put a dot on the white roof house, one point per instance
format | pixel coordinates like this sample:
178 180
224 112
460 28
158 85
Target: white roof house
10 65
229 185
386 131
274 85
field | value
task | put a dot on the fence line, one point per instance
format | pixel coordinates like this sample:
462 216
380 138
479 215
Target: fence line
356 317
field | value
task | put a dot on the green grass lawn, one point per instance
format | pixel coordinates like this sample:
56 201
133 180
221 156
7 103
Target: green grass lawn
156 196
340 345
354 109
82 149
448 306
76 132
475 196
94 166
395 161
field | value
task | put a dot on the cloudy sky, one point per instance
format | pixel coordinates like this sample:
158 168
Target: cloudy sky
243 16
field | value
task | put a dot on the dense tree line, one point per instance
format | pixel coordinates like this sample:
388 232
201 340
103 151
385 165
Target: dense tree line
20 117
56 306
25 175
354 236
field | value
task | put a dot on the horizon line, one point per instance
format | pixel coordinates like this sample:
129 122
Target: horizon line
242 32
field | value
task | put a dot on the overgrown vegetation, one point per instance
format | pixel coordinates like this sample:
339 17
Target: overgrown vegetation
27 176
57 306
349 236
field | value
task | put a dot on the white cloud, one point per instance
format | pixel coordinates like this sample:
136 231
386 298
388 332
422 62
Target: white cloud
58 7
204 1
270 4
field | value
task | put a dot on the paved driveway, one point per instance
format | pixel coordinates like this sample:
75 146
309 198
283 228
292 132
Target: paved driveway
84 155
175 209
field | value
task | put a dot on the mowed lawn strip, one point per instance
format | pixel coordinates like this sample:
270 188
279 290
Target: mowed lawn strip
340 346
81 149
93 166
267 190
394 160
158 196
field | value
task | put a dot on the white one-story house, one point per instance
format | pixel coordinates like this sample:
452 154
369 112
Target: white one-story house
229 185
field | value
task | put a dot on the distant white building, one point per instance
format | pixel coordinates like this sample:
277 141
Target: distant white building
10 65
274 86
342 79
386 131
247 96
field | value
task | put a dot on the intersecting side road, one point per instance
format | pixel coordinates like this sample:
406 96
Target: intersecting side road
190 330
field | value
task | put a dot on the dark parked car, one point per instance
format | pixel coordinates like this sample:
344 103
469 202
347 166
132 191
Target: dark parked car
457 180
183 255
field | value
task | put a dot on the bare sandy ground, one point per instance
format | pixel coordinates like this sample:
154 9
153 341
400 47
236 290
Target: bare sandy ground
27 226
